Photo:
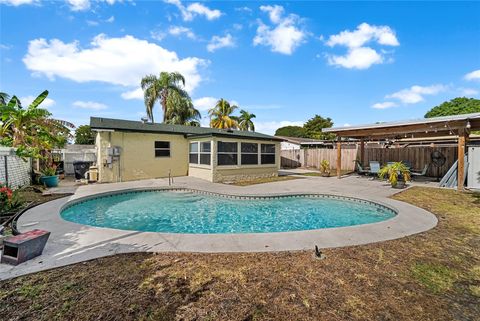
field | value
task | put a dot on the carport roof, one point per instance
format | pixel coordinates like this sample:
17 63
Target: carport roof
425 127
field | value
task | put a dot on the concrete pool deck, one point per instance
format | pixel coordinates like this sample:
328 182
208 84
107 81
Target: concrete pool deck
70 242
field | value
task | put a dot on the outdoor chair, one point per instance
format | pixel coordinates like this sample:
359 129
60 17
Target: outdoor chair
423 173
374 168
361 170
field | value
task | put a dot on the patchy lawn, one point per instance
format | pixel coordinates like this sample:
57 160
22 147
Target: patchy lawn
264 180
430 276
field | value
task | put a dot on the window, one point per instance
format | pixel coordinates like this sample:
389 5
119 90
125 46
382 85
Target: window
205 152
227 153
162 149
268 153
249 154
193 153
200 155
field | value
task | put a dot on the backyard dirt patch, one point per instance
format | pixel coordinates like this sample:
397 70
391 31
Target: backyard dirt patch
430 276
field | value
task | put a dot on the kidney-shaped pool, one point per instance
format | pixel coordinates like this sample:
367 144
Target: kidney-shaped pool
192 212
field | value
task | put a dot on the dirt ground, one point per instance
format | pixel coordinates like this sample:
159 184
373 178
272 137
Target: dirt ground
430 276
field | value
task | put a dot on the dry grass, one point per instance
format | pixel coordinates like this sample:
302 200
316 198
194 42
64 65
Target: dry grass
429 276
264 180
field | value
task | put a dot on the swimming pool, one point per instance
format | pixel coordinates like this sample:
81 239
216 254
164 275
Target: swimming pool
194 212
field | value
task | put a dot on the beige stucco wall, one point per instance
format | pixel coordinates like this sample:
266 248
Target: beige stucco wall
216 173
137 159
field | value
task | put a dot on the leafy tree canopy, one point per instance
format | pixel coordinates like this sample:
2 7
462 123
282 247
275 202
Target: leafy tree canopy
313 127
456 106
84 135
290 131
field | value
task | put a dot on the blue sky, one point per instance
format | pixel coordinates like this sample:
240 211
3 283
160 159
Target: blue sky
355 62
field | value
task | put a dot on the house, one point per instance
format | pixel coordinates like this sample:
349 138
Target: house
133 150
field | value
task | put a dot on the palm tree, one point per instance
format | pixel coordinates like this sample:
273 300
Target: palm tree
245 121
180 111
221 115
158 89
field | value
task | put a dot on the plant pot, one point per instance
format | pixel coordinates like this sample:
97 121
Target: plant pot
400 184
49 181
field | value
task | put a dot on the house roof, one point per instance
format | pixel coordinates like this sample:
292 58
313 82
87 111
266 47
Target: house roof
424 127
97 123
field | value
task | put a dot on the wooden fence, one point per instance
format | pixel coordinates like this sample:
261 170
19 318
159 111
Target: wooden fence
417 156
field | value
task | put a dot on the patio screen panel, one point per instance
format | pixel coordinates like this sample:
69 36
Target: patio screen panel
227 153
268 154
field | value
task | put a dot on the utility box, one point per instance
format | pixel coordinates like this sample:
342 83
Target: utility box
473 175
20 248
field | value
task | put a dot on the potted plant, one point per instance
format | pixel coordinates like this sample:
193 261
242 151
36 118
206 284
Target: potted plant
10 203
398 174
49 177
325 168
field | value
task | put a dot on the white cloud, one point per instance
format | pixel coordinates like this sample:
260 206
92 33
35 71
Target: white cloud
358 55
27 100
270 127
384 105
83 5
16 3
205 103
364 33
195 9
111 19
89 105
180 31
79 5
415 94
133 94
244 9
218 42
468 91
92 23
119 61
357 58
284 36
474 75
157 35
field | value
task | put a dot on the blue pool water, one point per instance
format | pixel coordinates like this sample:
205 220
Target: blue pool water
191 212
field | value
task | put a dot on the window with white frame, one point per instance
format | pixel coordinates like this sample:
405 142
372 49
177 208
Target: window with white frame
227 153
249 154
200 153
267 154
162 149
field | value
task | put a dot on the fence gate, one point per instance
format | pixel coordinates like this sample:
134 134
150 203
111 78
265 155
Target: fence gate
14 171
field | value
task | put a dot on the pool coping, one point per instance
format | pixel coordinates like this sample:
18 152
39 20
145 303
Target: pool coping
72 242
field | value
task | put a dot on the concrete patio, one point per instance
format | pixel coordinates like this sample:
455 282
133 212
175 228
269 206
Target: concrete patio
70 242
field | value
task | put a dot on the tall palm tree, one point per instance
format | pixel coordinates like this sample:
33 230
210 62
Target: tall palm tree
221 115
180 111
245 121
158 88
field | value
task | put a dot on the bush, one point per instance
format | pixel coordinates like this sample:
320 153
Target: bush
9 199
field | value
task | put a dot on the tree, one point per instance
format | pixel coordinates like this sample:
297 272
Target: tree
245 121
313 127
180 111
456 106
290 131
31 130
221 115
84 135
158 89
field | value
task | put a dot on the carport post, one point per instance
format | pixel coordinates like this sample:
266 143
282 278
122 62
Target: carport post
462 138
362 151
339 157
